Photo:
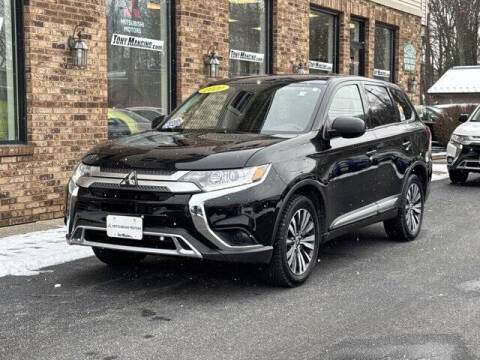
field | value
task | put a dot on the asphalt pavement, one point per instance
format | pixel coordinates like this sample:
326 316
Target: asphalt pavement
368 298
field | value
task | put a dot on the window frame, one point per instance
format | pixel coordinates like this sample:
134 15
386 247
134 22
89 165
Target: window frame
19 70
336 30
393 35
268 41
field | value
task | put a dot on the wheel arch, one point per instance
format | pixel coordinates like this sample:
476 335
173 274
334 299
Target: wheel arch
420 169
313 190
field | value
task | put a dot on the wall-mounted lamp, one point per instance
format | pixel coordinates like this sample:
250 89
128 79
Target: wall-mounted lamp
412 85
212 64
301 67
78 48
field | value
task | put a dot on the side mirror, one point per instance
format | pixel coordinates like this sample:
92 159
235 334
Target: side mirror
348 127
463 118
157 121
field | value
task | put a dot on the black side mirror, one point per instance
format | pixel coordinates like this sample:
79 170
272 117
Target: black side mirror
348 127
463 118
157 121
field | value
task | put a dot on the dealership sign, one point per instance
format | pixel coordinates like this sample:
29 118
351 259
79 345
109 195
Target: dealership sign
381 73
137 42
246 56
317 65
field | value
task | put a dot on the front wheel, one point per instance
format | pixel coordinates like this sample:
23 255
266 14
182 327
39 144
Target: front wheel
458 177
297 242
408 223
116 257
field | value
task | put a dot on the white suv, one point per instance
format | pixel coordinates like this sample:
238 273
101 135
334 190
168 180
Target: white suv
463 150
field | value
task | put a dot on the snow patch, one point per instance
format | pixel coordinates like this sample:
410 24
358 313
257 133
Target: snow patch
440 172
470 286
26 254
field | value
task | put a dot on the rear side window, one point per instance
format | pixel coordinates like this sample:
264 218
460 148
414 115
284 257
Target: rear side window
382 111
347 103
404 109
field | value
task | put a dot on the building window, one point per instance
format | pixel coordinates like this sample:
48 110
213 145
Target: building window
12 108
384 53
357 47
249 24
138 54
323 42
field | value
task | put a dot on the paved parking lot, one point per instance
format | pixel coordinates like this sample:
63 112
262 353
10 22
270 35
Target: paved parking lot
369 298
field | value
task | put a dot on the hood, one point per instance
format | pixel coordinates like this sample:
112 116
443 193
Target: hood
194 150
470 128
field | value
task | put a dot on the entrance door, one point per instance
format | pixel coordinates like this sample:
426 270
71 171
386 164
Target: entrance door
138 55
357 47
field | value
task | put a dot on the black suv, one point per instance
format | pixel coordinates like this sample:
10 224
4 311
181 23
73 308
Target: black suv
258 170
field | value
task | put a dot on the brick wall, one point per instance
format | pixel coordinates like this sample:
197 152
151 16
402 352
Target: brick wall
66 109
201 25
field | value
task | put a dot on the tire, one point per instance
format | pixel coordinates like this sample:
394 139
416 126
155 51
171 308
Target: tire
458 177
117 258
408 223
290 266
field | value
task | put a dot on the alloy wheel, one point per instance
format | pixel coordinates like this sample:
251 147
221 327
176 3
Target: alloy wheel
413 208
300 241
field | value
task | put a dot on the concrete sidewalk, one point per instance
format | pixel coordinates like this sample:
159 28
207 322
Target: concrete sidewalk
31 227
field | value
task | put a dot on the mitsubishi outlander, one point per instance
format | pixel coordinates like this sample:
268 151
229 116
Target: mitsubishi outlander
257 170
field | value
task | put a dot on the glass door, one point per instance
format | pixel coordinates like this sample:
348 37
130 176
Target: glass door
357 47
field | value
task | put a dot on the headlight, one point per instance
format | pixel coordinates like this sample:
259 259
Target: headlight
223 179
460 139
81 170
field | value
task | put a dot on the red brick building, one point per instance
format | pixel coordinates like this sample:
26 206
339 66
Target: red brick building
147 55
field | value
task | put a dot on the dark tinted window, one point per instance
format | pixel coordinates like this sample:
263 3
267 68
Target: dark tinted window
404 109
382 111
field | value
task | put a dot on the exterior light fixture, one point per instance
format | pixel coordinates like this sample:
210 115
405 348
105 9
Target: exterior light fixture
212 64
78 48
412 85
300 68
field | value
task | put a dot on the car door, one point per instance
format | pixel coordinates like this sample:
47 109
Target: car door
347 162
388 119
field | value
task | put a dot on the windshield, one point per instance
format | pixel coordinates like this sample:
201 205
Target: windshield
476 115
251 109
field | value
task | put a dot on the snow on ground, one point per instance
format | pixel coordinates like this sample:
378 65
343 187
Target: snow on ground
440 172
25 255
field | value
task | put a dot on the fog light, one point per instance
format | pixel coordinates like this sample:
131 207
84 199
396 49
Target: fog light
449 160
196 210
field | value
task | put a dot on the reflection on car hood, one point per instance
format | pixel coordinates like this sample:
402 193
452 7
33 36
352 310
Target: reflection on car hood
180 151
468 129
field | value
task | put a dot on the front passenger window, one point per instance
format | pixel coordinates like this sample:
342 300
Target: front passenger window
347 103
382 111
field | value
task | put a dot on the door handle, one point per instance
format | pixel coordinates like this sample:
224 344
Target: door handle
371 153
407 145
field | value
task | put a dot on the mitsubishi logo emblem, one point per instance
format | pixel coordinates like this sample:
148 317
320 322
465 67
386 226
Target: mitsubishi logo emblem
130 179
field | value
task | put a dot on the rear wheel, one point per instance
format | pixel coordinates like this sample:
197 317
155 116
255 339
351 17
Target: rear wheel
408 223
458 177
297 242
117 258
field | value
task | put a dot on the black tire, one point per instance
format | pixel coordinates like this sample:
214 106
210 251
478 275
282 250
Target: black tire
399 228
458 176
279 272
116 257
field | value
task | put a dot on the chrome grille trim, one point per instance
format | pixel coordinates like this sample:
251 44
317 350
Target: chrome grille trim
78 238
142 174
162 186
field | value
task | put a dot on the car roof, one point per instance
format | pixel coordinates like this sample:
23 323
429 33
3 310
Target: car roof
275 80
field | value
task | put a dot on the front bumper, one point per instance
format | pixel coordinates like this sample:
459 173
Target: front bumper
463 157
220 225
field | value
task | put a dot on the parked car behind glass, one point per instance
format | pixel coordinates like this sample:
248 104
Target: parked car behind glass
259 170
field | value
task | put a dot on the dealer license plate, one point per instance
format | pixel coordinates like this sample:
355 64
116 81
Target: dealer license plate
125 227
